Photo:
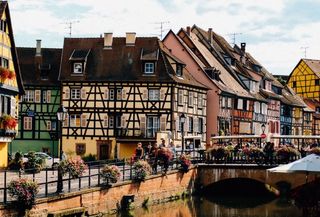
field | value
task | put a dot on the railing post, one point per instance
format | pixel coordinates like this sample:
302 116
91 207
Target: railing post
46 186
69 183
80 182
5 187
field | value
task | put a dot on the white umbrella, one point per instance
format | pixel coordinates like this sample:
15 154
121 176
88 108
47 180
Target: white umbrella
308 164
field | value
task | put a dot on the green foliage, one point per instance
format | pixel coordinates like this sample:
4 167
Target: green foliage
73 165
24 191
34 164
16 163
89 158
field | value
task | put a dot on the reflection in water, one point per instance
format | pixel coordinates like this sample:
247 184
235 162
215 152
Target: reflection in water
203 207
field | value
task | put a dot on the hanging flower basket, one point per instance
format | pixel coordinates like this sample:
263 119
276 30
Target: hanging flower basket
185 162
4 73
24 191
141 170
8 122
110 174
75 166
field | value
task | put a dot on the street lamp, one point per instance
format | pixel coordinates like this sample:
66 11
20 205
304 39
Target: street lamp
61 115
263 128
182 120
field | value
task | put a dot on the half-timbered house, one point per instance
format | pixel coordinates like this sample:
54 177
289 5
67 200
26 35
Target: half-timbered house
38 130
10 84
121 91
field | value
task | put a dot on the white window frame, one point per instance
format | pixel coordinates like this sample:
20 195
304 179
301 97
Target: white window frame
240 104
180 97
111 121
190 99
74 119
27 123
153 125
154 94
200 100
149 68
75 93
29 96
77 68
111 94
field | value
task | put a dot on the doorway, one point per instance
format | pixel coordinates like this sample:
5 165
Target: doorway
104 149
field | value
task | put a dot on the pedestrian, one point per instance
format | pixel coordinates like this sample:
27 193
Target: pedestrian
163 143
148 151
139 153
172 148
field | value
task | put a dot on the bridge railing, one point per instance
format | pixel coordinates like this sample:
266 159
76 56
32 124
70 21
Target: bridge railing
47 179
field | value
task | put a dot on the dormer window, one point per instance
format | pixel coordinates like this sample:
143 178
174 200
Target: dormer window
213 73
77 68
179 70
148 68
4 63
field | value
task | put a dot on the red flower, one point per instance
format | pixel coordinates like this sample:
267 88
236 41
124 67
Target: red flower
4 73
12 74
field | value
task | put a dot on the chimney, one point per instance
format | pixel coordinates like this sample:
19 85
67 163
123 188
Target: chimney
107 40
210 35
243 47
38 47
130 38
188 30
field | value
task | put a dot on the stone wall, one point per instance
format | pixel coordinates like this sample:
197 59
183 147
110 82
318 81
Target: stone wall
98 200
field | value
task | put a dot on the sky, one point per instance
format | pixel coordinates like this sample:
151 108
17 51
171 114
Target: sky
277 32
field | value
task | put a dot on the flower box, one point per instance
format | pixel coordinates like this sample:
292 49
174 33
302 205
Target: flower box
110 174
75 166
141 170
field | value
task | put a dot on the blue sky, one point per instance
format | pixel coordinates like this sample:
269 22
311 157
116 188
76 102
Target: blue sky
275 30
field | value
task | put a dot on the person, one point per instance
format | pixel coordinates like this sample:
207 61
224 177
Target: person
139 152
148 151
163 143
172 148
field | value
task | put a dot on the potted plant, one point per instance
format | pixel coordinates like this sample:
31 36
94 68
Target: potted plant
165 155
185 162
141 170
75 166
219 153
4 74
253 153
110 174
286 153
24 191
8 121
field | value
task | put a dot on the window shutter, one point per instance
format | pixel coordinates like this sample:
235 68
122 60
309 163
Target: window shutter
186 125
37 95
162 94
66 121
162 123
83 120
105 121
123 121
83 93
48 125
48 96
106 93
124 94
144 94
13 107
248 105
67 93
143 125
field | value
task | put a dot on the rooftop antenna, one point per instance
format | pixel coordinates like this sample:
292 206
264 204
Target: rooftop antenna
69 26
304 51
161 23
234 35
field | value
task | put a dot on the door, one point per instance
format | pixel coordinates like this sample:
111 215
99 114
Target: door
104 152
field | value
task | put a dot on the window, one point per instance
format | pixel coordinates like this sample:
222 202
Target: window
77 68
5 102
257 107
153 126
115 93
111 94
294 84
3 25
29 96
200 125
229 103
111 122
105 121
180 97
4 63
27 123
190 124
49 125
179 70
75 93
53 125
154 94
119 94
80 148
149 68
317 82
190 99
200 100
240 104
75 120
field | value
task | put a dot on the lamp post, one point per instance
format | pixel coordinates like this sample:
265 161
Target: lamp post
263 128
182 120
61 115
263 135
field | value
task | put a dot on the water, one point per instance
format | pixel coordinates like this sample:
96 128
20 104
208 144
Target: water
224 207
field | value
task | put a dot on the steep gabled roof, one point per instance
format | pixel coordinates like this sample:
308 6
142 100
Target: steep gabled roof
4 8
31 71
314 65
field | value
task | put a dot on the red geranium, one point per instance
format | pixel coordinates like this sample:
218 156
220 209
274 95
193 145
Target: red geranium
4 73
12 74
9 122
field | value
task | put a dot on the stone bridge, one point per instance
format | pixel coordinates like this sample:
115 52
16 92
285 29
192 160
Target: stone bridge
211 173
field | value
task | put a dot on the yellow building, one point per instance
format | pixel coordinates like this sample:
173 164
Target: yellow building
121 91
10 84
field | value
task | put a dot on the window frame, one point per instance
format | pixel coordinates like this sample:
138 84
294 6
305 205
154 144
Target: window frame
75 67
154 126
27 123
179 70
149 67
154 94
190 98
190 122
75 95
74 120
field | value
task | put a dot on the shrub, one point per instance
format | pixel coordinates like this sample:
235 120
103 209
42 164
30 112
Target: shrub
74 165
219 152
34 164
110 173
287 152
253 152
16 163
24 191
185 162
141 170
89 158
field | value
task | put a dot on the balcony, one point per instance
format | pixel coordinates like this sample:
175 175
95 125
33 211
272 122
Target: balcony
8 126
